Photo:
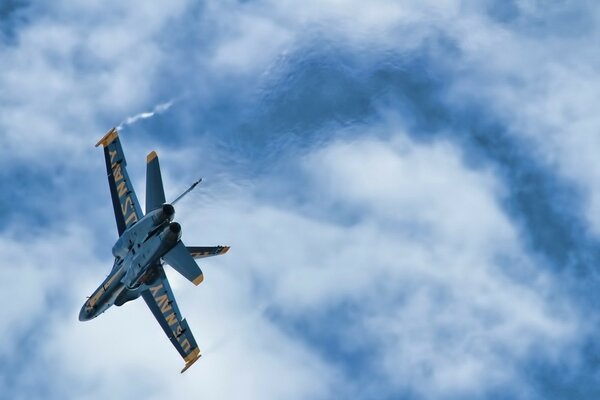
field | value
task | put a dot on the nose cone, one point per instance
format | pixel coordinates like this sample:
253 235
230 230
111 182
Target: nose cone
84 314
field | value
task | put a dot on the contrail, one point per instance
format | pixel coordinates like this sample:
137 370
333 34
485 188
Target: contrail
160 108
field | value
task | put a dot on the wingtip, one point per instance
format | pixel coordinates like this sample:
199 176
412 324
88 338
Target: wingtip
151 156
107 139
198 280
191 359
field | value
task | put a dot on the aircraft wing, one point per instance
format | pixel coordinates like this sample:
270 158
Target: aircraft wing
161 301
125 203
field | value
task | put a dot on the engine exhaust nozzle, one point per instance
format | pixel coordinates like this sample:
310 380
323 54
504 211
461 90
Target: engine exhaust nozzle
175 227
168 209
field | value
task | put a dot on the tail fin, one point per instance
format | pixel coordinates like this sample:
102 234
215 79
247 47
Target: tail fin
181 260
202 252
155 194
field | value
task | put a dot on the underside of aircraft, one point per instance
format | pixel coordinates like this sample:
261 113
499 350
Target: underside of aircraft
146 242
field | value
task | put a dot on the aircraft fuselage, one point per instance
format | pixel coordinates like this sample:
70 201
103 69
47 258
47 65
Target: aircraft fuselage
137 250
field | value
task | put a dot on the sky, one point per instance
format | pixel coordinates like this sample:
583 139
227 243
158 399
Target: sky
410 190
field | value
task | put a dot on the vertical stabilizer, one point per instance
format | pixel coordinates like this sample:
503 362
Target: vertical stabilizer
155 194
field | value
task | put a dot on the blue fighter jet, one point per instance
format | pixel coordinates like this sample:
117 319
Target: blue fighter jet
145 243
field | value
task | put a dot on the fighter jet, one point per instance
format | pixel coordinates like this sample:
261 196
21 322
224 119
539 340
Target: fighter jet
146 242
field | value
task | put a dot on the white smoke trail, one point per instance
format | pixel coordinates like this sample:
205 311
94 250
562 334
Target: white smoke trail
158 109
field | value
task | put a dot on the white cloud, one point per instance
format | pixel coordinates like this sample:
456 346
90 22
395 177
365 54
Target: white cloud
247 356
542 84
406 232
75 62
251 41
32 273
430 264
124 353
79 63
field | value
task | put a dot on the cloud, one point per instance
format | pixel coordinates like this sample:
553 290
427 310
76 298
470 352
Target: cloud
372 255
445 300
94 68
447 305
540 84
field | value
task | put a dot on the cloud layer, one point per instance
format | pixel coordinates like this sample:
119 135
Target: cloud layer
408 189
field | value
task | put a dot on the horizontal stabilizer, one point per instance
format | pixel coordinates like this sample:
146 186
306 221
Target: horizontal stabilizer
203 252
182 261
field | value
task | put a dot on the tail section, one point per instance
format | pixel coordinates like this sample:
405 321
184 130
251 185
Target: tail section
180 259
203 252
155 194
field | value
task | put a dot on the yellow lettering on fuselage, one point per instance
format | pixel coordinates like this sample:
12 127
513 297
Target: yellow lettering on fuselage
112 278
94 299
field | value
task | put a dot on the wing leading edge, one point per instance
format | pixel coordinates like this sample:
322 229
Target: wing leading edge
161 301
125 203
207 251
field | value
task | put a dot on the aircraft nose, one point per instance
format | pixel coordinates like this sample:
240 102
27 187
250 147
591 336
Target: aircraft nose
83 314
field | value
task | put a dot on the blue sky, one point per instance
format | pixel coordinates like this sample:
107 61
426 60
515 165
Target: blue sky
411 190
